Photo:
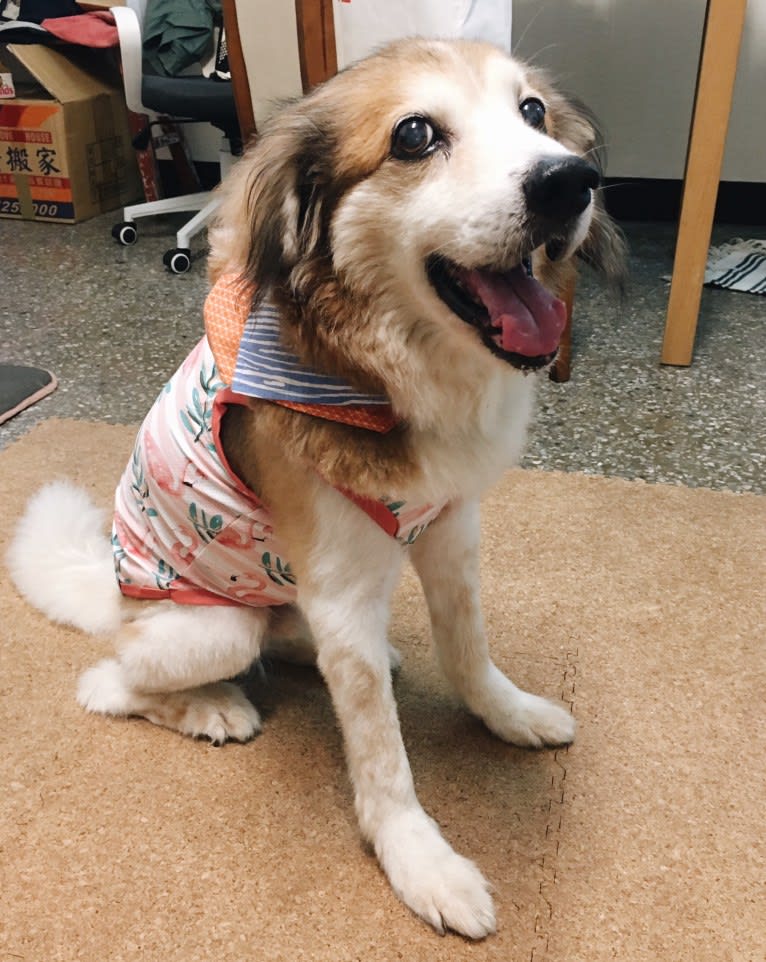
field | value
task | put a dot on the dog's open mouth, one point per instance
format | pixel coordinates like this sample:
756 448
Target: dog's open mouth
518 319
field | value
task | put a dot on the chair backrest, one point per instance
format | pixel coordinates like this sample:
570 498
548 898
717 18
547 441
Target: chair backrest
129 20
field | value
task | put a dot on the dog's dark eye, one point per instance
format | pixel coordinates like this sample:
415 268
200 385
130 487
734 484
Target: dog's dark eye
413 138
533 112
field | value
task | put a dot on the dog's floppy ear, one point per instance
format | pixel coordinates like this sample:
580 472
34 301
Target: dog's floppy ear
272 201
604 249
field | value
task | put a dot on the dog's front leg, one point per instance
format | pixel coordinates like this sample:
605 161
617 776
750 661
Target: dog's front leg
446 558
345 595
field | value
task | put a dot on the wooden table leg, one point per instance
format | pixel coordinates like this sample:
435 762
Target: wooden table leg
712 105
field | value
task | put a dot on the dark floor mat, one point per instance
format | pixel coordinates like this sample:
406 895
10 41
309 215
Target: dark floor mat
21 386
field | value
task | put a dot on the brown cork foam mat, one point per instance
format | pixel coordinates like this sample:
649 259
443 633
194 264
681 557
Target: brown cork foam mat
641 606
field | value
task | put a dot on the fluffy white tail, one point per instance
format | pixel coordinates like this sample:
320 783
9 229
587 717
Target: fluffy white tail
61 560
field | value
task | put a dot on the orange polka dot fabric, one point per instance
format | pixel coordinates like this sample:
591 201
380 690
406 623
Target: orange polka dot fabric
227 309
375 418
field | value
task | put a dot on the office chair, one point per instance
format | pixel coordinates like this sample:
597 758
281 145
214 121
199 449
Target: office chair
182 99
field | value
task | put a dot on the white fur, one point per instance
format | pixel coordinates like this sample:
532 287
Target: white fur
442 887
61 561
171 661
168 649
218 711
447 561
347 605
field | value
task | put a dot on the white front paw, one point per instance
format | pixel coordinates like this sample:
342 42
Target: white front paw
440 886
528 720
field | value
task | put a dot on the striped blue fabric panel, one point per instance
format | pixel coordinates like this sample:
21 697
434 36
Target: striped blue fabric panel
265 369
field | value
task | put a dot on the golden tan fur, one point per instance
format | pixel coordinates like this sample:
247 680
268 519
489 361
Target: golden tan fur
332 220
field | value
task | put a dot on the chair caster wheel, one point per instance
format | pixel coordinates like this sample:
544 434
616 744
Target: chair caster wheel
125 232
178 260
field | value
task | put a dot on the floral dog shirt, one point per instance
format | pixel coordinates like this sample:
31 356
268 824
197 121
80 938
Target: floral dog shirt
185 526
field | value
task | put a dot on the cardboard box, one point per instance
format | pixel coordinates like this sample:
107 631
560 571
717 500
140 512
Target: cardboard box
65 150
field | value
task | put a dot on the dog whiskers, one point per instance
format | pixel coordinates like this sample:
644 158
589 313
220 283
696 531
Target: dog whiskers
621 183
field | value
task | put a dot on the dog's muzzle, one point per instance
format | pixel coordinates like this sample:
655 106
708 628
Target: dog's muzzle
517 318
557 191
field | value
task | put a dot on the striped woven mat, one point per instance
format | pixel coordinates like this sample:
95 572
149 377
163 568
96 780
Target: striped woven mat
739 265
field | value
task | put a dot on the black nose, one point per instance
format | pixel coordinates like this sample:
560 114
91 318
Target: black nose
558 188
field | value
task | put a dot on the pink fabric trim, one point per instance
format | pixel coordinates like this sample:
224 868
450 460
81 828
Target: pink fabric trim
223 400
181 595
381 514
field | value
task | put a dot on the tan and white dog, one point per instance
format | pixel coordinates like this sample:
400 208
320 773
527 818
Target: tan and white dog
390 216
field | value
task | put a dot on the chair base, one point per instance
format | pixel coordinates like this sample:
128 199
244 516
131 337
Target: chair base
205 203
202 203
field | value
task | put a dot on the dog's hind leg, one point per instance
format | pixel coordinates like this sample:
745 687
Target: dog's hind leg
170 667
446 557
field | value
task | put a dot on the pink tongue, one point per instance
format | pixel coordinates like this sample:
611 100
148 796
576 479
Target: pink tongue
530 320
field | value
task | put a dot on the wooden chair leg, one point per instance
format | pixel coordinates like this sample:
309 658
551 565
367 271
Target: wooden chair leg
243 99
562 366
712 105
316 41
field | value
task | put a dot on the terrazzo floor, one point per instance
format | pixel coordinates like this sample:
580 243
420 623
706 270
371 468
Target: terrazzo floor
112 324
